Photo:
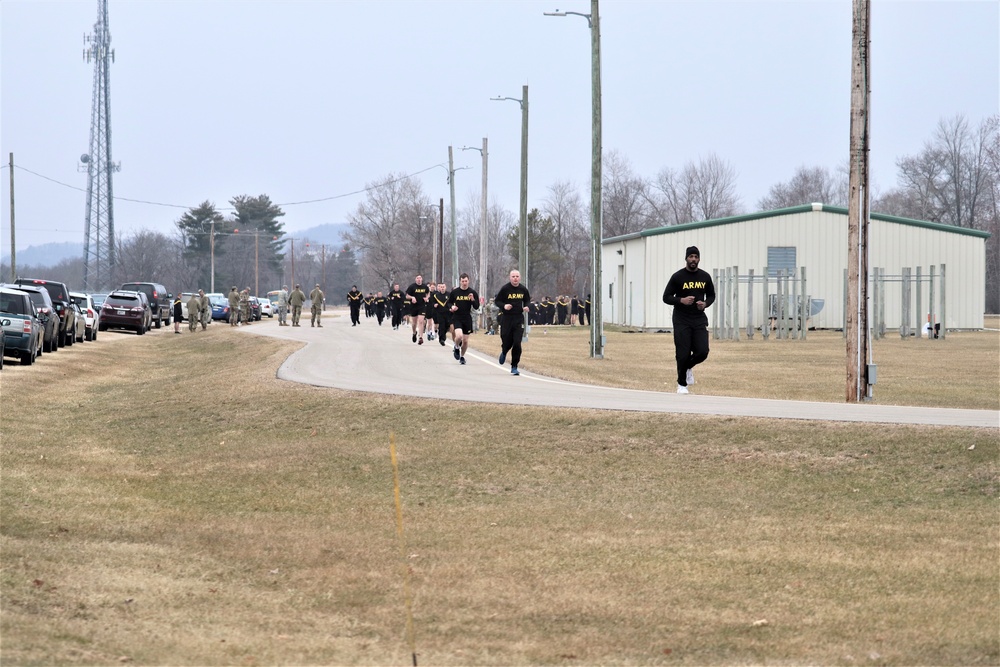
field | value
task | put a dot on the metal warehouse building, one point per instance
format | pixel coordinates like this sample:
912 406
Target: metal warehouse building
636 267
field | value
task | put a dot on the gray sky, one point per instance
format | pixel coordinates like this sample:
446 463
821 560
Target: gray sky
304 100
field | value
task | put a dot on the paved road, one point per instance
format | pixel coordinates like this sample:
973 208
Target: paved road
378 359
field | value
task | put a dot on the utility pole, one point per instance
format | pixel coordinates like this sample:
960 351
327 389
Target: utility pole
441 236
211 246
596 208
596 185
483 260
522 251
860 371
323 247
454 235
13 247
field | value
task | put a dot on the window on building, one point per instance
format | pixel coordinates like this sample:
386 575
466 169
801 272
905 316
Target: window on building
780 257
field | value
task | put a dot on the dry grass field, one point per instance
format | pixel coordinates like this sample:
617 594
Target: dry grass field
167 501
960 371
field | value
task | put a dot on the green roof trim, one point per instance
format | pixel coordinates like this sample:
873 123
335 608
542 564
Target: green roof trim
805 208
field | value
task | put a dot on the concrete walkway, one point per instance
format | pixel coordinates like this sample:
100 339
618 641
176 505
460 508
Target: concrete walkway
377 359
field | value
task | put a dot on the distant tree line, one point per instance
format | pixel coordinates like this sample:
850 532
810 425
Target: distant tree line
954 180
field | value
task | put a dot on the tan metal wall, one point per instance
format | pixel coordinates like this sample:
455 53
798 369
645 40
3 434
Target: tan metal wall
820 239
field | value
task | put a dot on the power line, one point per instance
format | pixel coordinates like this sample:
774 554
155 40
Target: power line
230 208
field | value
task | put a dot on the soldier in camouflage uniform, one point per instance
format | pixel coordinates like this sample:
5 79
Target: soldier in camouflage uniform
245 306
205 311
234 307
295 300
316 296
194 312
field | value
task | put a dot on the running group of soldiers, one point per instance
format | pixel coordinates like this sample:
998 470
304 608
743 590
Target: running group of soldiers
431 312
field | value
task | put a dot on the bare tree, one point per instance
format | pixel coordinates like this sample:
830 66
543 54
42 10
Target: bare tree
568 213
625 200
700 191
807 185
954 180
713 188
146 256
392 230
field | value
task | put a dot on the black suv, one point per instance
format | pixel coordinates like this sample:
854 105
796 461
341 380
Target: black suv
159 300
63 304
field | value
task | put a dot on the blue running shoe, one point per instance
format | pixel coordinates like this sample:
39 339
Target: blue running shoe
503 357
514 371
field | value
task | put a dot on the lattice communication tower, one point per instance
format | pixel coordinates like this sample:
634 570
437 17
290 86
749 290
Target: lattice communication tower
99 234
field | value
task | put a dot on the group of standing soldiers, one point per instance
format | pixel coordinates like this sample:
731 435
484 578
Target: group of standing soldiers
561 310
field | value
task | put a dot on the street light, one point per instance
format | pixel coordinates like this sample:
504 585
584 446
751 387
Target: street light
454 236
523 229
596 231
483 262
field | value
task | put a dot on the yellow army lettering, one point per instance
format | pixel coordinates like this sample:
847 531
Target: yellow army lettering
514 297
693 286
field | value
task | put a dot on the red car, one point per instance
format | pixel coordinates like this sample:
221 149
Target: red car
126 310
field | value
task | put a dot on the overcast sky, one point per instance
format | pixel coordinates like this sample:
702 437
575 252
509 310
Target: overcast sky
304 100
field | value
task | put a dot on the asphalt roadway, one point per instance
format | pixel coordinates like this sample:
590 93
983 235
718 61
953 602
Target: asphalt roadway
377 359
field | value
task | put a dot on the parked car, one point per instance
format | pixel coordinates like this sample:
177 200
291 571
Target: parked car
266 308
91 313
220 307
254 308
98 299
185 297
45 312
160 302
125 309
59 294
81 321
20 328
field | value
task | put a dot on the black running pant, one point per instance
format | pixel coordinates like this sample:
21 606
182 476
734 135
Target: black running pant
511 332
355 312
691 345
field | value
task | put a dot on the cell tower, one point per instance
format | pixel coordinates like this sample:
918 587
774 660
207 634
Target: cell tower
99 234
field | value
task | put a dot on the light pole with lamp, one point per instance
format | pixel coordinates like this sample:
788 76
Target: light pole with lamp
483 260
523 229
596 230
454 236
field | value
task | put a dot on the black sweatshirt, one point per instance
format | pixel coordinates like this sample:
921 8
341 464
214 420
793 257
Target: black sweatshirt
684 283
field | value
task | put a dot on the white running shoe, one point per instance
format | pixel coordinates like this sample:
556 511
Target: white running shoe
690 376
681 389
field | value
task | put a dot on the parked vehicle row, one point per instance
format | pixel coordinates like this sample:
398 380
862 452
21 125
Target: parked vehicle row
41 316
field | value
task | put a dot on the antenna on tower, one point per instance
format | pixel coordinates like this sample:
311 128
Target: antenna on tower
99 230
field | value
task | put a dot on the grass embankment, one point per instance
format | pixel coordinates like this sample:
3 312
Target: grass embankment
177 504
961 371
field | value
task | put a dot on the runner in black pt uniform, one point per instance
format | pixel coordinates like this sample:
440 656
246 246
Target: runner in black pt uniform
513 301
461 301
416 295
690 291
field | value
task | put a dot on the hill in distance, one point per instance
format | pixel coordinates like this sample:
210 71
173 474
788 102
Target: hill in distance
50 254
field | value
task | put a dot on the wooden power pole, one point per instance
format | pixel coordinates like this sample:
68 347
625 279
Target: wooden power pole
860 373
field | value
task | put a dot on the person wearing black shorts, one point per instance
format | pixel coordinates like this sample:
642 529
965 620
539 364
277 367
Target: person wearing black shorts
461 302
690 291
512 300
416 295
438 303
